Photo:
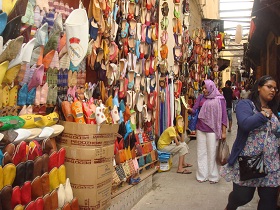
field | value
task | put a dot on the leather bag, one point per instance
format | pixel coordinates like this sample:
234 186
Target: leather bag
251 167
222 153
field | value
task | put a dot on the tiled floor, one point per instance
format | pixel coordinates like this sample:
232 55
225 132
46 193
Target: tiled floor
177 191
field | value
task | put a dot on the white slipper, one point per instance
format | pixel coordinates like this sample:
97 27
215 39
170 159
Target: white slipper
184 102
27 50
115 114
46 133
23 134
61 196
140 102
100 117
58 129
34 133
18 59
41 35
68 191
1 136
77 31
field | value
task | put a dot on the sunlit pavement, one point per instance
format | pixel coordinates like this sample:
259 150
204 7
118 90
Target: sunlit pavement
181 191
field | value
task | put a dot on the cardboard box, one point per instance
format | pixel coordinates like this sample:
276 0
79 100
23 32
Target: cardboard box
90 173
87 135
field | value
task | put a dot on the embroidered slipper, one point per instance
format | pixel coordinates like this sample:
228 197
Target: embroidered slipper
41 35
77 31
27 50
184 172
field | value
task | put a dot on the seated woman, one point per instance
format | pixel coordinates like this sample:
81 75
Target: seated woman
166 144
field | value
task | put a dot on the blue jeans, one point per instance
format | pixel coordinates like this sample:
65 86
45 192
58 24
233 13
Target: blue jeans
229 114
234 102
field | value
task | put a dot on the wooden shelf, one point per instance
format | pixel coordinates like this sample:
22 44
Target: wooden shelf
143 155
140 168
127 186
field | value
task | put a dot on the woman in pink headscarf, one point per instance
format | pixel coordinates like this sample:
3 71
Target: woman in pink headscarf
210 127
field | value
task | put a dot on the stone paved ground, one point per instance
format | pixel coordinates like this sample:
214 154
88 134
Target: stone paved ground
178 191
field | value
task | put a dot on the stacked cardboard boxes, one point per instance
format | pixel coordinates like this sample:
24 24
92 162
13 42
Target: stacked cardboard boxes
89 165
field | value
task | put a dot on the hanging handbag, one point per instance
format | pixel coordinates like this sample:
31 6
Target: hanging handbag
252 167
222 153
116 178
141 161
122 156
120 172
194 118
133 152
126 169
131 167
139 151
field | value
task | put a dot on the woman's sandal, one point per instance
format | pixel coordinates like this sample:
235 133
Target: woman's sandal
213 182
201 181
187 165
184 172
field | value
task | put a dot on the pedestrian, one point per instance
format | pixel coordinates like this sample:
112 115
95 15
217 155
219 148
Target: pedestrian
257 129
228 94
171 141
245 92
211 126
236 97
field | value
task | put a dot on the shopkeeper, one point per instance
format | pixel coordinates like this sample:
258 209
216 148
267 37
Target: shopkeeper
170 141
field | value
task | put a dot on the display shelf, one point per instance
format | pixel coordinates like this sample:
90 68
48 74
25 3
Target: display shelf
143 155
140 168
126 186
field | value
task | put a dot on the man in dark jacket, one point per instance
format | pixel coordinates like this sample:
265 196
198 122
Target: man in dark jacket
227 92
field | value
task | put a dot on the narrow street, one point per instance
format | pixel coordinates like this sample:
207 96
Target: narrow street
181 191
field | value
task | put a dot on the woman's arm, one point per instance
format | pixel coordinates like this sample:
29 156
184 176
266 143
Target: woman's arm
247 119
176 140
196 105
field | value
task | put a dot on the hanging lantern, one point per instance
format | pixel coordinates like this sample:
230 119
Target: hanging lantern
238 34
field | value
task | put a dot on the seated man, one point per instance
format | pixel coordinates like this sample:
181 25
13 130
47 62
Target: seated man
165 144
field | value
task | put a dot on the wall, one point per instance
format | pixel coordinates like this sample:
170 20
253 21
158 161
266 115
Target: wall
196 15
210 8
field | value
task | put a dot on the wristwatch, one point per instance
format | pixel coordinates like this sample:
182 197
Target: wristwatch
266 113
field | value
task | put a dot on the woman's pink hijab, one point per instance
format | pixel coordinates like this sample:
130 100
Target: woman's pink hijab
211 111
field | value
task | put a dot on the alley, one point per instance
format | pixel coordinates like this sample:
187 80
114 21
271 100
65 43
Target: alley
178 191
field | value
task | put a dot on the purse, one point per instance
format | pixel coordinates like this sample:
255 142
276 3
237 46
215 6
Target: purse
139 150
252 167
131 167
116 178
194 118
222 152
120 172
141 161
126 169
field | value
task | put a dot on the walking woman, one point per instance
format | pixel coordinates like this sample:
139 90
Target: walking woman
211 126
257 130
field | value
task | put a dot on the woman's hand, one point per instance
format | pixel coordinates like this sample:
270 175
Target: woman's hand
224 136
267 112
